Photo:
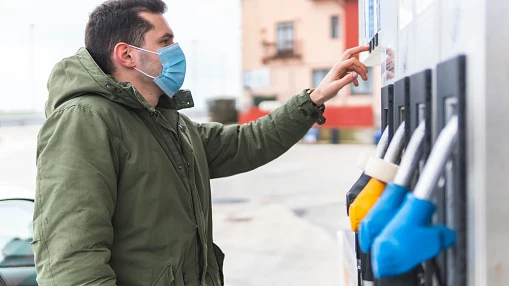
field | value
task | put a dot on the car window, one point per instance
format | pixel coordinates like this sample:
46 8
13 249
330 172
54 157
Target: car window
16 233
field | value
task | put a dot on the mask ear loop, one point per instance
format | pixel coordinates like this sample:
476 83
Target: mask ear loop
144 73
142 49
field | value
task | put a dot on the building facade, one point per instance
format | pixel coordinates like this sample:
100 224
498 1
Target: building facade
290 45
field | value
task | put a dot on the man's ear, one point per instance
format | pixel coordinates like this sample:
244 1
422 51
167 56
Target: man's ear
124 55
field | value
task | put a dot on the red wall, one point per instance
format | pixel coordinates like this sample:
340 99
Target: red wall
351 10
337 116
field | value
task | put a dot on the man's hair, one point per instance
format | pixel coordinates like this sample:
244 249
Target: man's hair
116 21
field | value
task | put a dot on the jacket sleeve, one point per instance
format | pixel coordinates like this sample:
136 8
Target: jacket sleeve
75 199
236 149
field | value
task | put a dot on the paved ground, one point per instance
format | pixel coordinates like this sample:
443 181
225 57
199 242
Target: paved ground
277 224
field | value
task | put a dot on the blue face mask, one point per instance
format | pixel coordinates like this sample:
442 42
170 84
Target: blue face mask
174 68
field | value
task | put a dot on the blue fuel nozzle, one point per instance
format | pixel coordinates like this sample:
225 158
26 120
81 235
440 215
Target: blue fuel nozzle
381 214
409 239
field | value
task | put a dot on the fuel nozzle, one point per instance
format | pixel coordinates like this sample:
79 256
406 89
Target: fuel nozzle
381 172
409 239
392 198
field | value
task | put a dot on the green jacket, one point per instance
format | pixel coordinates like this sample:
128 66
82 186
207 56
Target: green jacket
123 189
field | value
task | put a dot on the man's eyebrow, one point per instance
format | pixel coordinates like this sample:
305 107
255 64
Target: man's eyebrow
167 36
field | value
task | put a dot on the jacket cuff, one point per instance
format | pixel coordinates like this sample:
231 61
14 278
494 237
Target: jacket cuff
309 109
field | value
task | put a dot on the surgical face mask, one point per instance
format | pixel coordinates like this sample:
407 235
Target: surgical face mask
174 68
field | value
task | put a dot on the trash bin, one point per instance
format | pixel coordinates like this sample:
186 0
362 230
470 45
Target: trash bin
222 110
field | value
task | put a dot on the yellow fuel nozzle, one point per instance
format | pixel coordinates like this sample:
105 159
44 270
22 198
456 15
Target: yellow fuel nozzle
381 172
364 201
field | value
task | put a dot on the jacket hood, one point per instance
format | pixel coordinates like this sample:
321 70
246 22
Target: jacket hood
80 75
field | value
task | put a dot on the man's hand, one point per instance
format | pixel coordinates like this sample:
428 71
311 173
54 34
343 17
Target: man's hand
341 74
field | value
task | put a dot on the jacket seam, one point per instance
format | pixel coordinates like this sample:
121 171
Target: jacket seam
78 105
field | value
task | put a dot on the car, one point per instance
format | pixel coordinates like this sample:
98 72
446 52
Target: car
17 266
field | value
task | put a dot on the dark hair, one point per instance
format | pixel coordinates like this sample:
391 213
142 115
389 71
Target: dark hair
116 21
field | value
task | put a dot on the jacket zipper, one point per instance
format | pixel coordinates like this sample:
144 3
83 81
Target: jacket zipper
178 127
198 240
197 248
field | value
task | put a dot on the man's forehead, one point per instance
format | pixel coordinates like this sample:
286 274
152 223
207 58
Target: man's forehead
161 27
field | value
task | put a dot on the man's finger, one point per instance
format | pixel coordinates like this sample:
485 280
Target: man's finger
347 66
346 80
356 82
353 51
360 65
353 64
359 72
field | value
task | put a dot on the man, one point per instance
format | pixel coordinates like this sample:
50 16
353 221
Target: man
123 183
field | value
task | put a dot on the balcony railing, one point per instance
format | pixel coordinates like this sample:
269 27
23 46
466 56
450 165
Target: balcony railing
281 50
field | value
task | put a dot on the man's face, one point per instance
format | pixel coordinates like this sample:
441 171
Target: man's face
159 37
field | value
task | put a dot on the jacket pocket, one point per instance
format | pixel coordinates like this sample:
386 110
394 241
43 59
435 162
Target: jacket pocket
165 278
220 261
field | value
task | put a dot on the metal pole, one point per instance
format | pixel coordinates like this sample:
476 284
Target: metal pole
32 66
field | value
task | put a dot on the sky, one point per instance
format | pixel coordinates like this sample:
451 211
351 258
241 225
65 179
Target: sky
37 36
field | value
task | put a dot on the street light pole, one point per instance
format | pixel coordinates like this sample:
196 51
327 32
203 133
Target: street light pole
32 66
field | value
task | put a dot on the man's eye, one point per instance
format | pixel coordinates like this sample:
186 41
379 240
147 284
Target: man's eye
166 42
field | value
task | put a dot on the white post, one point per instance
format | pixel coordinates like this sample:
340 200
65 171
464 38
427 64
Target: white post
32 67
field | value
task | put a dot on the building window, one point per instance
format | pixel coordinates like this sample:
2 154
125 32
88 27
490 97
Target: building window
365 87
285 38
318 76
335 31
